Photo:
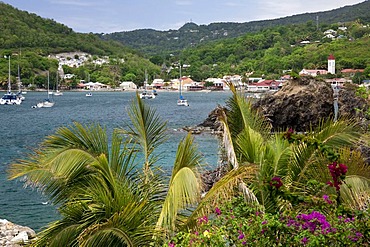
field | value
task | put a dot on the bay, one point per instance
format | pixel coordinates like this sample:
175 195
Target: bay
24 127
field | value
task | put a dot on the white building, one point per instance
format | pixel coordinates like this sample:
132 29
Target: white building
128 85
331 64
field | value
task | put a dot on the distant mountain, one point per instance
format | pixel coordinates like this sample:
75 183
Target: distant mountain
154 42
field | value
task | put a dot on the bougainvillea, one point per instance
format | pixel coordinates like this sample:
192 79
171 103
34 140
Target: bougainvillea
338 174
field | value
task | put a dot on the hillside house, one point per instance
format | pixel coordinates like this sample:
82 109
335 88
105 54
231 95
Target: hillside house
313 72
264 86
351 72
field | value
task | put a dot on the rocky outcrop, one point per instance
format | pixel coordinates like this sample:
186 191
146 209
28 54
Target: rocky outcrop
12 235
305 102
209 125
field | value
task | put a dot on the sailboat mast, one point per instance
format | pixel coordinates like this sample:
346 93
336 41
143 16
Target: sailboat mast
48 83
180 79
9 86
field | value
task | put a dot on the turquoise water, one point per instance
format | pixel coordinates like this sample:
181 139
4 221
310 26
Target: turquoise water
23 128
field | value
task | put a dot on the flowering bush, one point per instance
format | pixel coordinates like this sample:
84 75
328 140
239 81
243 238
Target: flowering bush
237 224
338 174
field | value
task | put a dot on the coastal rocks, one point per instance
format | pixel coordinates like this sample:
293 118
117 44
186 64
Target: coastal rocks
209 125
304 103
12 235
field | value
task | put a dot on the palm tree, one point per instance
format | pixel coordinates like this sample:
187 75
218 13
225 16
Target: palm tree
103 196
249 142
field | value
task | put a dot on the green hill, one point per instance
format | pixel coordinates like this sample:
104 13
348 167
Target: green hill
30 39
153 42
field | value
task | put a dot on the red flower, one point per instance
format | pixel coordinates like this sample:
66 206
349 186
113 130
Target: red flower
338 173
276 182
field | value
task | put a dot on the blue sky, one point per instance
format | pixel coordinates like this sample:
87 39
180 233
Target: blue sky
107 16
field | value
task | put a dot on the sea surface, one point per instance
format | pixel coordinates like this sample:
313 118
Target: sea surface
24 127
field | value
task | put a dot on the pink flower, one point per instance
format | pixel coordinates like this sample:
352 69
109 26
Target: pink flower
218 211
170 244
327 199
203 219
304 241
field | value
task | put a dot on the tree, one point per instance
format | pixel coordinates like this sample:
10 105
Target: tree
104 198
289 159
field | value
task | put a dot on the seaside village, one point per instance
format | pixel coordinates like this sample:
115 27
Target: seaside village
255 85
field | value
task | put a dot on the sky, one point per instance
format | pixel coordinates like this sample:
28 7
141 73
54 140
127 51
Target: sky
108 16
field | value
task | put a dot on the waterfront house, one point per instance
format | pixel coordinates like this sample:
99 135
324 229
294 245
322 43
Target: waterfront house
264 86
218 84
128 85
158 83
95 86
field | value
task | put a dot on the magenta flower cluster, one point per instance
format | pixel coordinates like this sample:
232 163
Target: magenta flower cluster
327 199
276 182
203 219
312 222
338 174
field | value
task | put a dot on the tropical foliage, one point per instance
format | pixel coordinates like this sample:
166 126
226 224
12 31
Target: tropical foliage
300 185
109 191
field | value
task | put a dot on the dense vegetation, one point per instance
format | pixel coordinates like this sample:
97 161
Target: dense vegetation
273 50
30 39
292 189
152 42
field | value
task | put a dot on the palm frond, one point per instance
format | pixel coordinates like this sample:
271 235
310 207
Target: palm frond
344 132
355 192
147 129
241 115
227 140
184 187
224 190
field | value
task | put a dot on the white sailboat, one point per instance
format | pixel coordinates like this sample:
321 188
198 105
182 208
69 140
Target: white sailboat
181 101
20 93
57 92
46 103
145 94
10 98
89 94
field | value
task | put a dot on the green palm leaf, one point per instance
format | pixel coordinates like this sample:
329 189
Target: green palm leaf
184 186
147 129
224 190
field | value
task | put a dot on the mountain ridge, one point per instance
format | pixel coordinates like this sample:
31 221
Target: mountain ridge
150 41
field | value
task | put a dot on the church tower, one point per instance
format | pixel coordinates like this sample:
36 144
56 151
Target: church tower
331 64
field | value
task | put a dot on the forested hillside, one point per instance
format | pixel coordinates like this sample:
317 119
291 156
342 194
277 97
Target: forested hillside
274 50
152 42
30 39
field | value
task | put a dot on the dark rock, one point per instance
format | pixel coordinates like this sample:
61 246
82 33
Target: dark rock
304 103
211 121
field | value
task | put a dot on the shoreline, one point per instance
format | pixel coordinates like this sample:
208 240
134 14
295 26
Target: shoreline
126 90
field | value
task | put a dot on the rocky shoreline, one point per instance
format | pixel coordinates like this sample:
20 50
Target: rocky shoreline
12 235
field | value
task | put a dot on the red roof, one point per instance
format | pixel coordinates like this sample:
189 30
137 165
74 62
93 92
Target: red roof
268 83
331 57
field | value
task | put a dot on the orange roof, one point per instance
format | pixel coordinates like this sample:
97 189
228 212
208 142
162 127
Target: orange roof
352 70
